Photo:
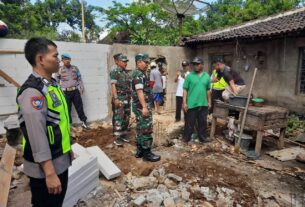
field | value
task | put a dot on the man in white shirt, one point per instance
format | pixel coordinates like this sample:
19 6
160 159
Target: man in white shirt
181 74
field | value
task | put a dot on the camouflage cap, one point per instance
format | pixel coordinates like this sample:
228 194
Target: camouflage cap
117 55
123 58
142 56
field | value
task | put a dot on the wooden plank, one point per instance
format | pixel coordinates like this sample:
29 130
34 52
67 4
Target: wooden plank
9 79
213 127
11 52
258 144
6 170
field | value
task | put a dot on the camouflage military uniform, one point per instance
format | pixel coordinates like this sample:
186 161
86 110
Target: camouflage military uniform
121 115
144 124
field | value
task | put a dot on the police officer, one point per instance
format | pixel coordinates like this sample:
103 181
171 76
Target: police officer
142 105
218 86
71 83
44 121
120 89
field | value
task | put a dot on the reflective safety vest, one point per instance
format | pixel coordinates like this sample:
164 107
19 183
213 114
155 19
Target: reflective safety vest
221 84
57 119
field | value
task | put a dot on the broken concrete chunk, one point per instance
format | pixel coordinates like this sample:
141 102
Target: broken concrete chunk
174 177
139 201
301 157
169 202
185 195
208 193
170 184
143 183
154 197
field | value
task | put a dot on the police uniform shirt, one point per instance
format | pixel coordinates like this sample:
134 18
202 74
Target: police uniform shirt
33 108
69 77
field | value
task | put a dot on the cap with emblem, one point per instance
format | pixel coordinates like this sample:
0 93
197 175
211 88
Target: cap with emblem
65 56
185 63
142 56
197 60
117 55
123 58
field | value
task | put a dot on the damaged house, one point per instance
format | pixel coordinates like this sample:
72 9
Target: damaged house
275 45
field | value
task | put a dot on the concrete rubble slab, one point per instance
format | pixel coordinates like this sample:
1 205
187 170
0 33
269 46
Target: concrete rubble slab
286 154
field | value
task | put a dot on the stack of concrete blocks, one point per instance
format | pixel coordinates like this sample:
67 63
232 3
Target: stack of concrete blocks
84 172
83 178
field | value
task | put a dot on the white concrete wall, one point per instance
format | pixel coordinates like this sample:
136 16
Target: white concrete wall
91 60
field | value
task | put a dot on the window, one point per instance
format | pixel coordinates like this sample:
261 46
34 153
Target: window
302 72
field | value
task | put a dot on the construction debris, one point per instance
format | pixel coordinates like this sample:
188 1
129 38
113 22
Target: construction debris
286 154
301 157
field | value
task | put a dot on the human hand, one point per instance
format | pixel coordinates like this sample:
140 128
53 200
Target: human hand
184 107
145 111
178 72
53 184
117 103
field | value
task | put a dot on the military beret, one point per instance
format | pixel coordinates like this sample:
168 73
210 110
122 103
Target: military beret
142 56
65 56
197 60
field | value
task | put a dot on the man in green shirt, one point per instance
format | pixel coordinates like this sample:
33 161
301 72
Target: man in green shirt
196 101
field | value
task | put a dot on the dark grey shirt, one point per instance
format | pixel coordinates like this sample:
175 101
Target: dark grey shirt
37 132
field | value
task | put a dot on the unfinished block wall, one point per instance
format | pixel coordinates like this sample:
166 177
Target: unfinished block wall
91 59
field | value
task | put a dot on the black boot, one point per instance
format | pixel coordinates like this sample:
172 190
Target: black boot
149 156
139 152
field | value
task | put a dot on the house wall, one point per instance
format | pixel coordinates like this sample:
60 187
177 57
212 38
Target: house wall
95 62
276 79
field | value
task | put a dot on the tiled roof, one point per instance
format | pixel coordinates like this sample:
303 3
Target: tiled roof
288 22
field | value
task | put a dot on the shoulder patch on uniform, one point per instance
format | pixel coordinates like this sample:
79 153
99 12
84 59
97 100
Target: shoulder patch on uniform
37 102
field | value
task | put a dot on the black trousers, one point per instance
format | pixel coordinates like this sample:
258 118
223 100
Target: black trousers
179 101
216 95
196 117
75 98
41 196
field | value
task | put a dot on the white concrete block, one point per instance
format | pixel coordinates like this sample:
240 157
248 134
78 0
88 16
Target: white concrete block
79 150
106 166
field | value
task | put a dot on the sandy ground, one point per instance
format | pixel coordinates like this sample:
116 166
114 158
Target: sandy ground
265 182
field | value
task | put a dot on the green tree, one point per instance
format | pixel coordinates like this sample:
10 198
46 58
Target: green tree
146 23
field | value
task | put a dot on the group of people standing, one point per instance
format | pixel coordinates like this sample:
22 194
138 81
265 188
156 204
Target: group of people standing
137 87
197 91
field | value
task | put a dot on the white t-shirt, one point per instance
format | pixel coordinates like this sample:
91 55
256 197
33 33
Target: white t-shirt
179 91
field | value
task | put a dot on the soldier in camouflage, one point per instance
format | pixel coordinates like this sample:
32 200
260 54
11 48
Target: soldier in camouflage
120 88
142 105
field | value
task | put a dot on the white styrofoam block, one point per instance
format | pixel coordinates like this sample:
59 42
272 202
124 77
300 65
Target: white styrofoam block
79 150
106 166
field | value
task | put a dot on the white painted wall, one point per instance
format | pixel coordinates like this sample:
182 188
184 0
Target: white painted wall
91 59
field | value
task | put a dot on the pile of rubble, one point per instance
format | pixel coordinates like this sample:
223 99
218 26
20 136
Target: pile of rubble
170 190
